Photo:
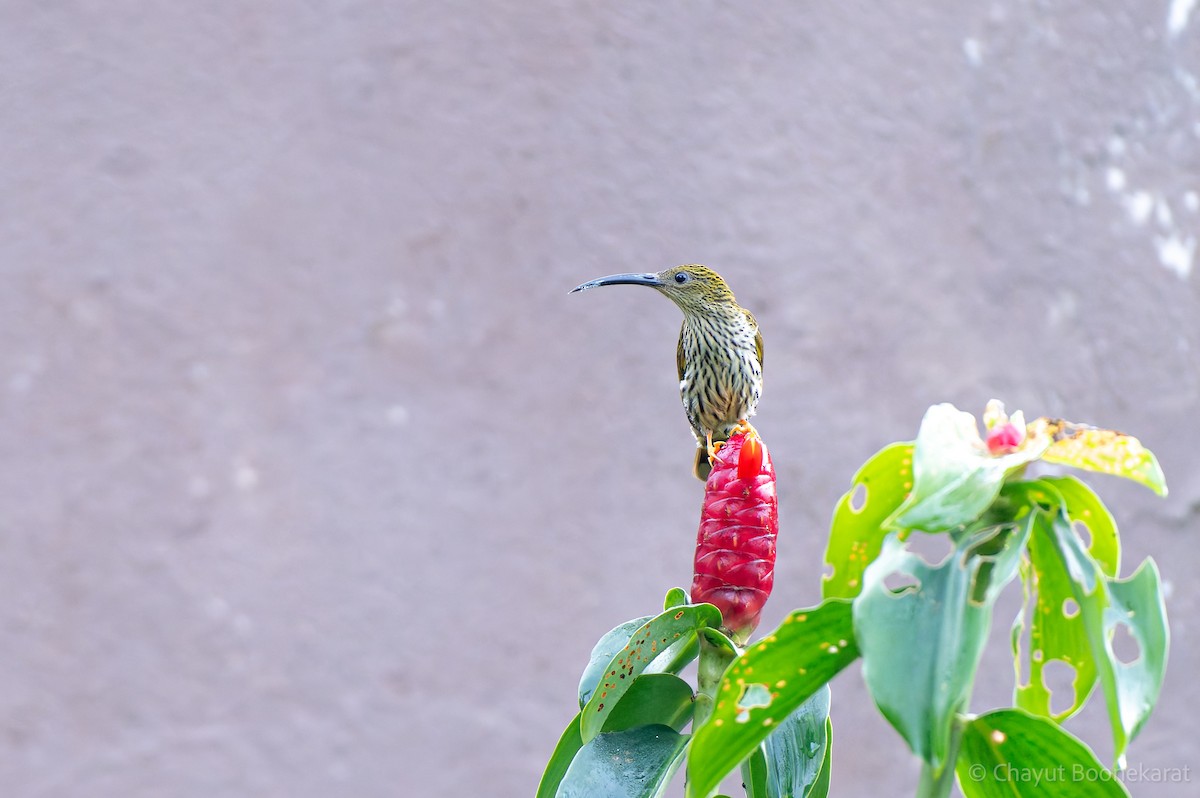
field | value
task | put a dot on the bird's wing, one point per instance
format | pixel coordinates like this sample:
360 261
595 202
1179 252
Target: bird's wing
679 363
757 337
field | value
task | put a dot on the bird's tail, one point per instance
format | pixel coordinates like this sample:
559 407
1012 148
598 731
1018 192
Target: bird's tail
702 467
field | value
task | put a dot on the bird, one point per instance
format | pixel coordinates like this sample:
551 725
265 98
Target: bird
719 355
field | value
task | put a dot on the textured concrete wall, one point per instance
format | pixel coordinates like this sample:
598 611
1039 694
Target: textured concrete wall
315 481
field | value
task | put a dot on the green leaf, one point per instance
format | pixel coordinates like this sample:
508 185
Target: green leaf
798 748
858 530
820 789
1057 632
676 656
793 762
754 774
672 627
1010 754
765 685
716 653
921 644
653 698
560 761
676 597
636 763
955 478
1137 603
1101 450
1084 509
672 660
602 654
718 639
1130 689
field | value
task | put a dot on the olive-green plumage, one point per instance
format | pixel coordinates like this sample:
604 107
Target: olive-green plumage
719 355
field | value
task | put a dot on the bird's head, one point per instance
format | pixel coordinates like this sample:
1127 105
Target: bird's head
694 288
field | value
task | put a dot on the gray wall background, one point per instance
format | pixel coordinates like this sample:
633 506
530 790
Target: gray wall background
317 483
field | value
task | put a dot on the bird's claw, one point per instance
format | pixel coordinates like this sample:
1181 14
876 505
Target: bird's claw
743 427
713 448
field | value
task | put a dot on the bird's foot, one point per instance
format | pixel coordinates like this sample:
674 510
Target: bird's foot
744 427
713 447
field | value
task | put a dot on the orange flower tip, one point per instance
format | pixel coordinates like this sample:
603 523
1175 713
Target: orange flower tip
750 458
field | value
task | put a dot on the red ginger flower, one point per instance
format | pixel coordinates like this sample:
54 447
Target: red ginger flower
1004 434
735 546
1005 438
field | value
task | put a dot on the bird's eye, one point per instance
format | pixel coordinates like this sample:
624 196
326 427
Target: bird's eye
681 277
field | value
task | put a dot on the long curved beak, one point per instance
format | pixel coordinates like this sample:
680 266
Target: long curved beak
621 279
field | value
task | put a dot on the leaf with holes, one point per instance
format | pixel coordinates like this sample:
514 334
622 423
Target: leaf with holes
955 477
1134 604
920 688
1141 611
857 532
1101 450
1088 513
1057 635
672 627
765 685
1010 754
636 763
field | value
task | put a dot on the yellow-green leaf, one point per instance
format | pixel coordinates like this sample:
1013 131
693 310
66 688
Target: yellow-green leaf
1009 754
858 530
1101 450
1056 627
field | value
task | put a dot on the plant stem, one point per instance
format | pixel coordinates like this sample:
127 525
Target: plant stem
714 659
937 785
